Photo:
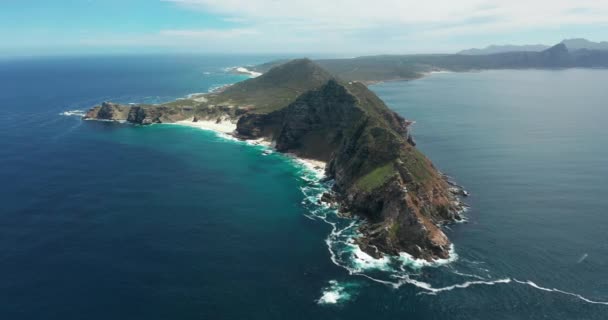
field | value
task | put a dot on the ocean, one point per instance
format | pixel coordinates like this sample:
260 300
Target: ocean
105 220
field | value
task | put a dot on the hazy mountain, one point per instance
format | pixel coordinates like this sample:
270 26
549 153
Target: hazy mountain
580 43
572 44
505 48
404 67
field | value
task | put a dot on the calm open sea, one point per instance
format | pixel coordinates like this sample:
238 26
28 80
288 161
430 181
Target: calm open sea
113 221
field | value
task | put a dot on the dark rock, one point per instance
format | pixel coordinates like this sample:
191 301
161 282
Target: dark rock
328 197
106 111
143 115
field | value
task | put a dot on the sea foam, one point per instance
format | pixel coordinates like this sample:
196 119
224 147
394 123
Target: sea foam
73 113
244 70
334 293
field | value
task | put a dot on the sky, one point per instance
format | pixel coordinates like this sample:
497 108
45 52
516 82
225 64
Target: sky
341 27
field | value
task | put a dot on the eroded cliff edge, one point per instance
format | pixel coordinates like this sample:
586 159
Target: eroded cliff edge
378 172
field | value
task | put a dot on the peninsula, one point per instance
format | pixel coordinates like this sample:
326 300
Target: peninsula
305 110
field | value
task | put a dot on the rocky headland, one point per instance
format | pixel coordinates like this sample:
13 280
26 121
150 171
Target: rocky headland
379 174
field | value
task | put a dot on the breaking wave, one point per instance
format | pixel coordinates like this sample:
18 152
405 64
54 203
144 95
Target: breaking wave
334 293
243 71
392 271
578 296
73 113
344 252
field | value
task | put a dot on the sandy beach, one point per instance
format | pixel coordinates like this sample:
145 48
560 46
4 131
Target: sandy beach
227 127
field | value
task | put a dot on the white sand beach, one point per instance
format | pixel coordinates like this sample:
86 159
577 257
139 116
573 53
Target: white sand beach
228 127
225 126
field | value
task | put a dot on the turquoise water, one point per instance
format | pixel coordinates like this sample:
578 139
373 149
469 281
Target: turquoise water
105 220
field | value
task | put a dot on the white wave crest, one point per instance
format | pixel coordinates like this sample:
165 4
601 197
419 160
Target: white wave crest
244 70
363 261
409 261
433 291
73 113
582 258
333 294
467 284
534 285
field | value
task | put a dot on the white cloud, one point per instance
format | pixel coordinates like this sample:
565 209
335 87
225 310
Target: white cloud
402 25
364 13
369 27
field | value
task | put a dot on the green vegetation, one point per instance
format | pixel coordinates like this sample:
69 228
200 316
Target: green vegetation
182 103
393 231
377 177
276 88
417 164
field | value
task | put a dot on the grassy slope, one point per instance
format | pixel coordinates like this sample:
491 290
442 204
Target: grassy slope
387 147
377 177
276 88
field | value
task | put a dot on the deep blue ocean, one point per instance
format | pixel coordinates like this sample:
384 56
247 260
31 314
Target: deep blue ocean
104 220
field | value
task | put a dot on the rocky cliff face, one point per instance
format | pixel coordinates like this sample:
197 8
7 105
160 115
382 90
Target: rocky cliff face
108 111
378 172
164 113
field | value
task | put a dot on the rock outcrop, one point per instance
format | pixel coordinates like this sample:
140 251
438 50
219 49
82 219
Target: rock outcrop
108 111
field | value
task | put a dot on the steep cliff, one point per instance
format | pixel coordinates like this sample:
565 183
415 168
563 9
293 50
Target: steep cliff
378 172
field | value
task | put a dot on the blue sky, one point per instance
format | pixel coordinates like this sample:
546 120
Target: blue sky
350 27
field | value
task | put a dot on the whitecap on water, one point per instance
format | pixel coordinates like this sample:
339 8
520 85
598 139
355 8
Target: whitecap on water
578 296
73 113
336 293
409 261
243 70
363 261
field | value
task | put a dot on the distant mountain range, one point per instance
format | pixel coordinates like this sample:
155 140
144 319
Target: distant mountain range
571 44
504 48
577 44
575 53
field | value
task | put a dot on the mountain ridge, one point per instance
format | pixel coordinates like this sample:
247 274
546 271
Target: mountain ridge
571 44
373 69
492 49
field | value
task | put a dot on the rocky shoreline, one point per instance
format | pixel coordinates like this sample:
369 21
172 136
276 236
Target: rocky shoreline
369 153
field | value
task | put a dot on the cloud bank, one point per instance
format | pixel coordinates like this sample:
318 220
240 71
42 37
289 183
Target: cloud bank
370 27
364 13
342 24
